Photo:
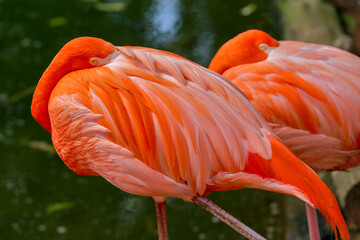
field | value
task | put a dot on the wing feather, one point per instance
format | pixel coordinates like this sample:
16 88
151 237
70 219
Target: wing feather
306 86
158 112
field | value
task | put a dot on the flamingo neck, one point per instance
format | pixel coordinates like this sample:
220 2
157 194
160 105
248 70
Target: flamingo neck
233 54
47 82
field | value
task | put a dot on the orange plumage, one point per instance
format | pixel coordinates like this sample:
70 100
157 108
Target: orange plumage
155 124
310 93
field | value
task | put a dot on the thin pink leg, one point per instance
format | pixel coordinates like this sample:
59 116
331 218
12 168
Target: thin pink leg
161 220
227 218
312 222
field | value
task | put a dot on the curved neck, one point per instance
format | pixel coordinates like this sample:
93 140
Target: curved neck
220 63
230 55
47 82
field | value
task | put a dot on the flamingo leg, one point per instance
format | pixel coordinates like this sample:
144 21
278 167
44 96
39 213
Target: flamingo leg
312 223
161 220
227 218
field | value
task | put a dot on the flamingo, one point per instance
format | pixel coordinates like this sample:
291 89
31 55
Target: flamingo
309 93
155 124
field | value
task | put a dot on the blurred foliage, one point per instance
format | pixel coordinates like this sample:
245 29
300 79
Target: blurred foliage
57 21
110 7
55 207
350 21
41 146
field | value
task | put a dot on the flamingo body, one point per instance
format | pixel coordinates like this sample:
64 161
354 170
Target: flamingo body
155 124
310 93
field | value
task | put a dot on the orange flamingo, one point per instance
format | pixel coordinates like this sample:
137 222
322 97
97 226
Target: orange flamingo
155 124
309 93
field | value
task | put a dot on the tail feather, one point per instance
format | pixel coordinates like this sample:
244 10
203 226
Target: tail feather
285 173
286 167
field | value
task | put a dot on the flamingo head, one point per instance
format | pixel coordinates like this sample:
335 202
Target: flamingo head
247 47
79 53
84 52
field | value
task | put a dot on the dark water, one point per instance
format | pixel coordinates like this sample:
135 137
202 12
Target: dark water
40 198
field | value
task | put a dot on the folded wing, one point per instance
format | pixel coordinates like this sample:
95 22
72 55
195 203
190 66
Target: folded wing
308 87
155 111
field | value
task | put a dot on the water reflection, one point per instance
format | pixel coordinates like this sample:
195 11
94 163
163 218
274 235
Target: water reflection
204 42
40 197
164 20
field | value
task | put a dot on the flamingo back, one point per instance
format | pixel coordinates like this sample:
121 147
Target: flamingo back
173 116
311 93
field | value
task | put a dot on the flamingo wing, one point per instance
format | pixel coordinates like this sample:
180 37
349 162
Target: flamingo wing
309 89
154 124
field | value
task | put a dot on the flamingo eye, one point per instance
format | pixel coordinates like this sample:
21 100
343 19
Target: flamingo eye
95 61
263 46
